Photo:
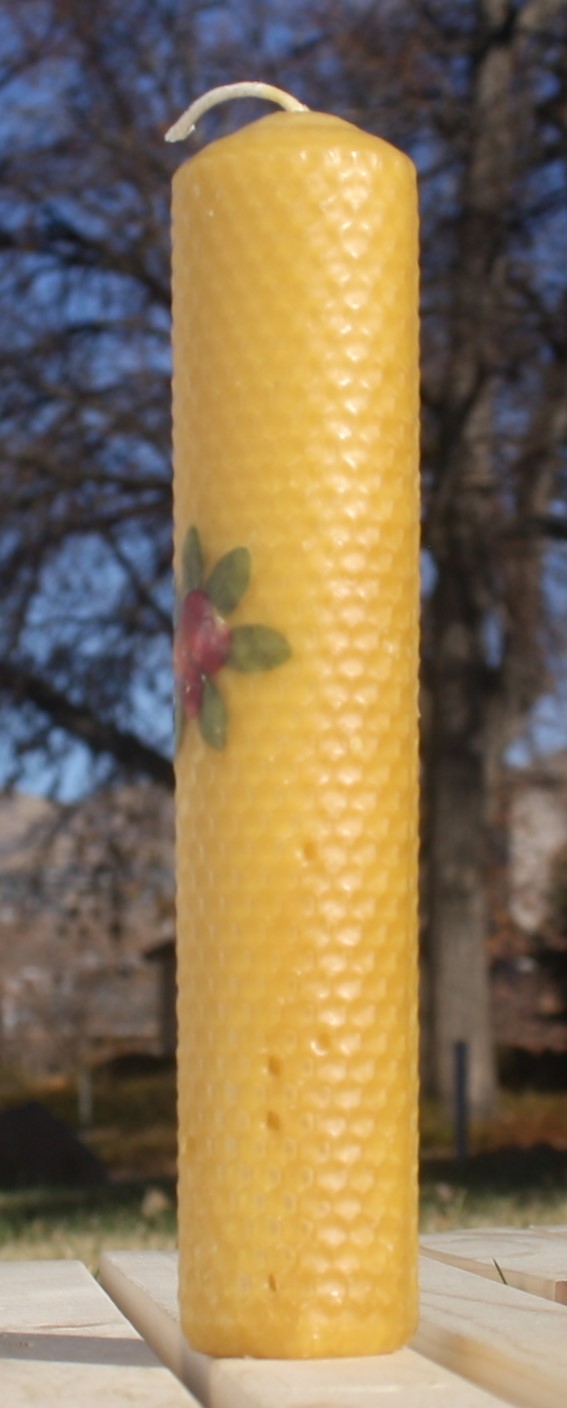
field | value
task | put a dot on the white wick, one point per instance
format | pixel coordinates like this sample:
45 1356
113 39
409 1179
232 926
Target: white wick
266 91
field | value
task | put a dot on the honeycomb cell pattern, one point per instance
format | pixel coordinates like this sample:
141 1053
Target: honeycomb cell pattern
295 435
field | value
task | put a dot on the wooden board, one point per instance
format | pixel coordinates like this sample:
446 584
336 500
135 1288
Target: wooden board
509 1341
144 1285
525 1260
64 1344
559 1230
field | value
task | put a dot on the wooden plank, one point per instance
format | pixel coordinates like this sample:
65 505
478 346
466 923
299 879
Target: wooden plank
64 1344
509 1341
526 1260
144 1285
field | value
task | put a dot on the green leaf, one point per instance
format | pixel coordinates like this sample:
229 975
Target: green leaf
192 566
229 579
255 648
212 718
179 724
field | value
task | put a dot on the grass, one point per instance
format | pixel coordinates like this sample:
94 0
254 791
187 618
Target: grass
516 1173
506 1188
43 1223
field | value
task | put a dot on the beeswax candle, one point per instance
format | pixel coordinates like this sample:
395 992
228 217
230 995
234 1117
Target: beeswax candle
296 529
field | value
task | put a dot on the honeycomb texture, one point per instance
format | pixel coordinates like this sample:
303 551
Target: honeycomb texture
295 435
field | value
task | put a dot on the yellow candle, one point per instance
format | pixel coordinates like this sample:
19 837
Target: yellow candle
295 284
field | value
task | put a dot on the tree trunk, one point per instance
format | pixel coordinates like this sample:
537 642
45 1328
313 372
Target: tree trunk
463 525
458 975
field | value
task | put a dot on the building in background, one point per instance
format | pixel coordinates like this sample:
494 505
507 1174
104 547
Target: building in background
85 893
528 940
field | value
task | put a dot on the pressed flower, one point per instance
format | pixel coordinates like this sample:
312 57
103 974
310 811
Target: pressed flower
202 640
204 643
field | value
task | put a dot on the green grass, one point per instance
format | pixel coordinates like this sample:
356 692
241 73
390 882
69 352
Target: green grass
510 1187
59 1223
516 1173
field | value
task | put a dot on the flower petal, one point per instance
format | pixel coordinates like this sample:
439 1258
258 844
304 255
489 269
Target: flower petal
178 722
229 579
255 648
213 717
192 562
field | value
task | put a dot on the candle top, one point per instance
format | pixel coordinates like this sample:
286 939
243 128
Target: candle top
301 130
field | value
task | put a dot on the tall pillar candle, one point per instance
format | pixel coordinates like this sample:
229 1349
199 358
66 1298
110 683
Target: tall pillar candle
295 286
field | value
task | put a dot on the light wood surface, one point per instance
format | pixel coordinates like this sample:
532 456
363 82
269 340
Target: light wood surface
526 1260
64 1344
509 1341
144 1284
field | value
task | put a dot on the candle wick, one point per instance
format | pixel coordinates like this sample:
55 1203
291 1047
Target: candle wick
266 91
